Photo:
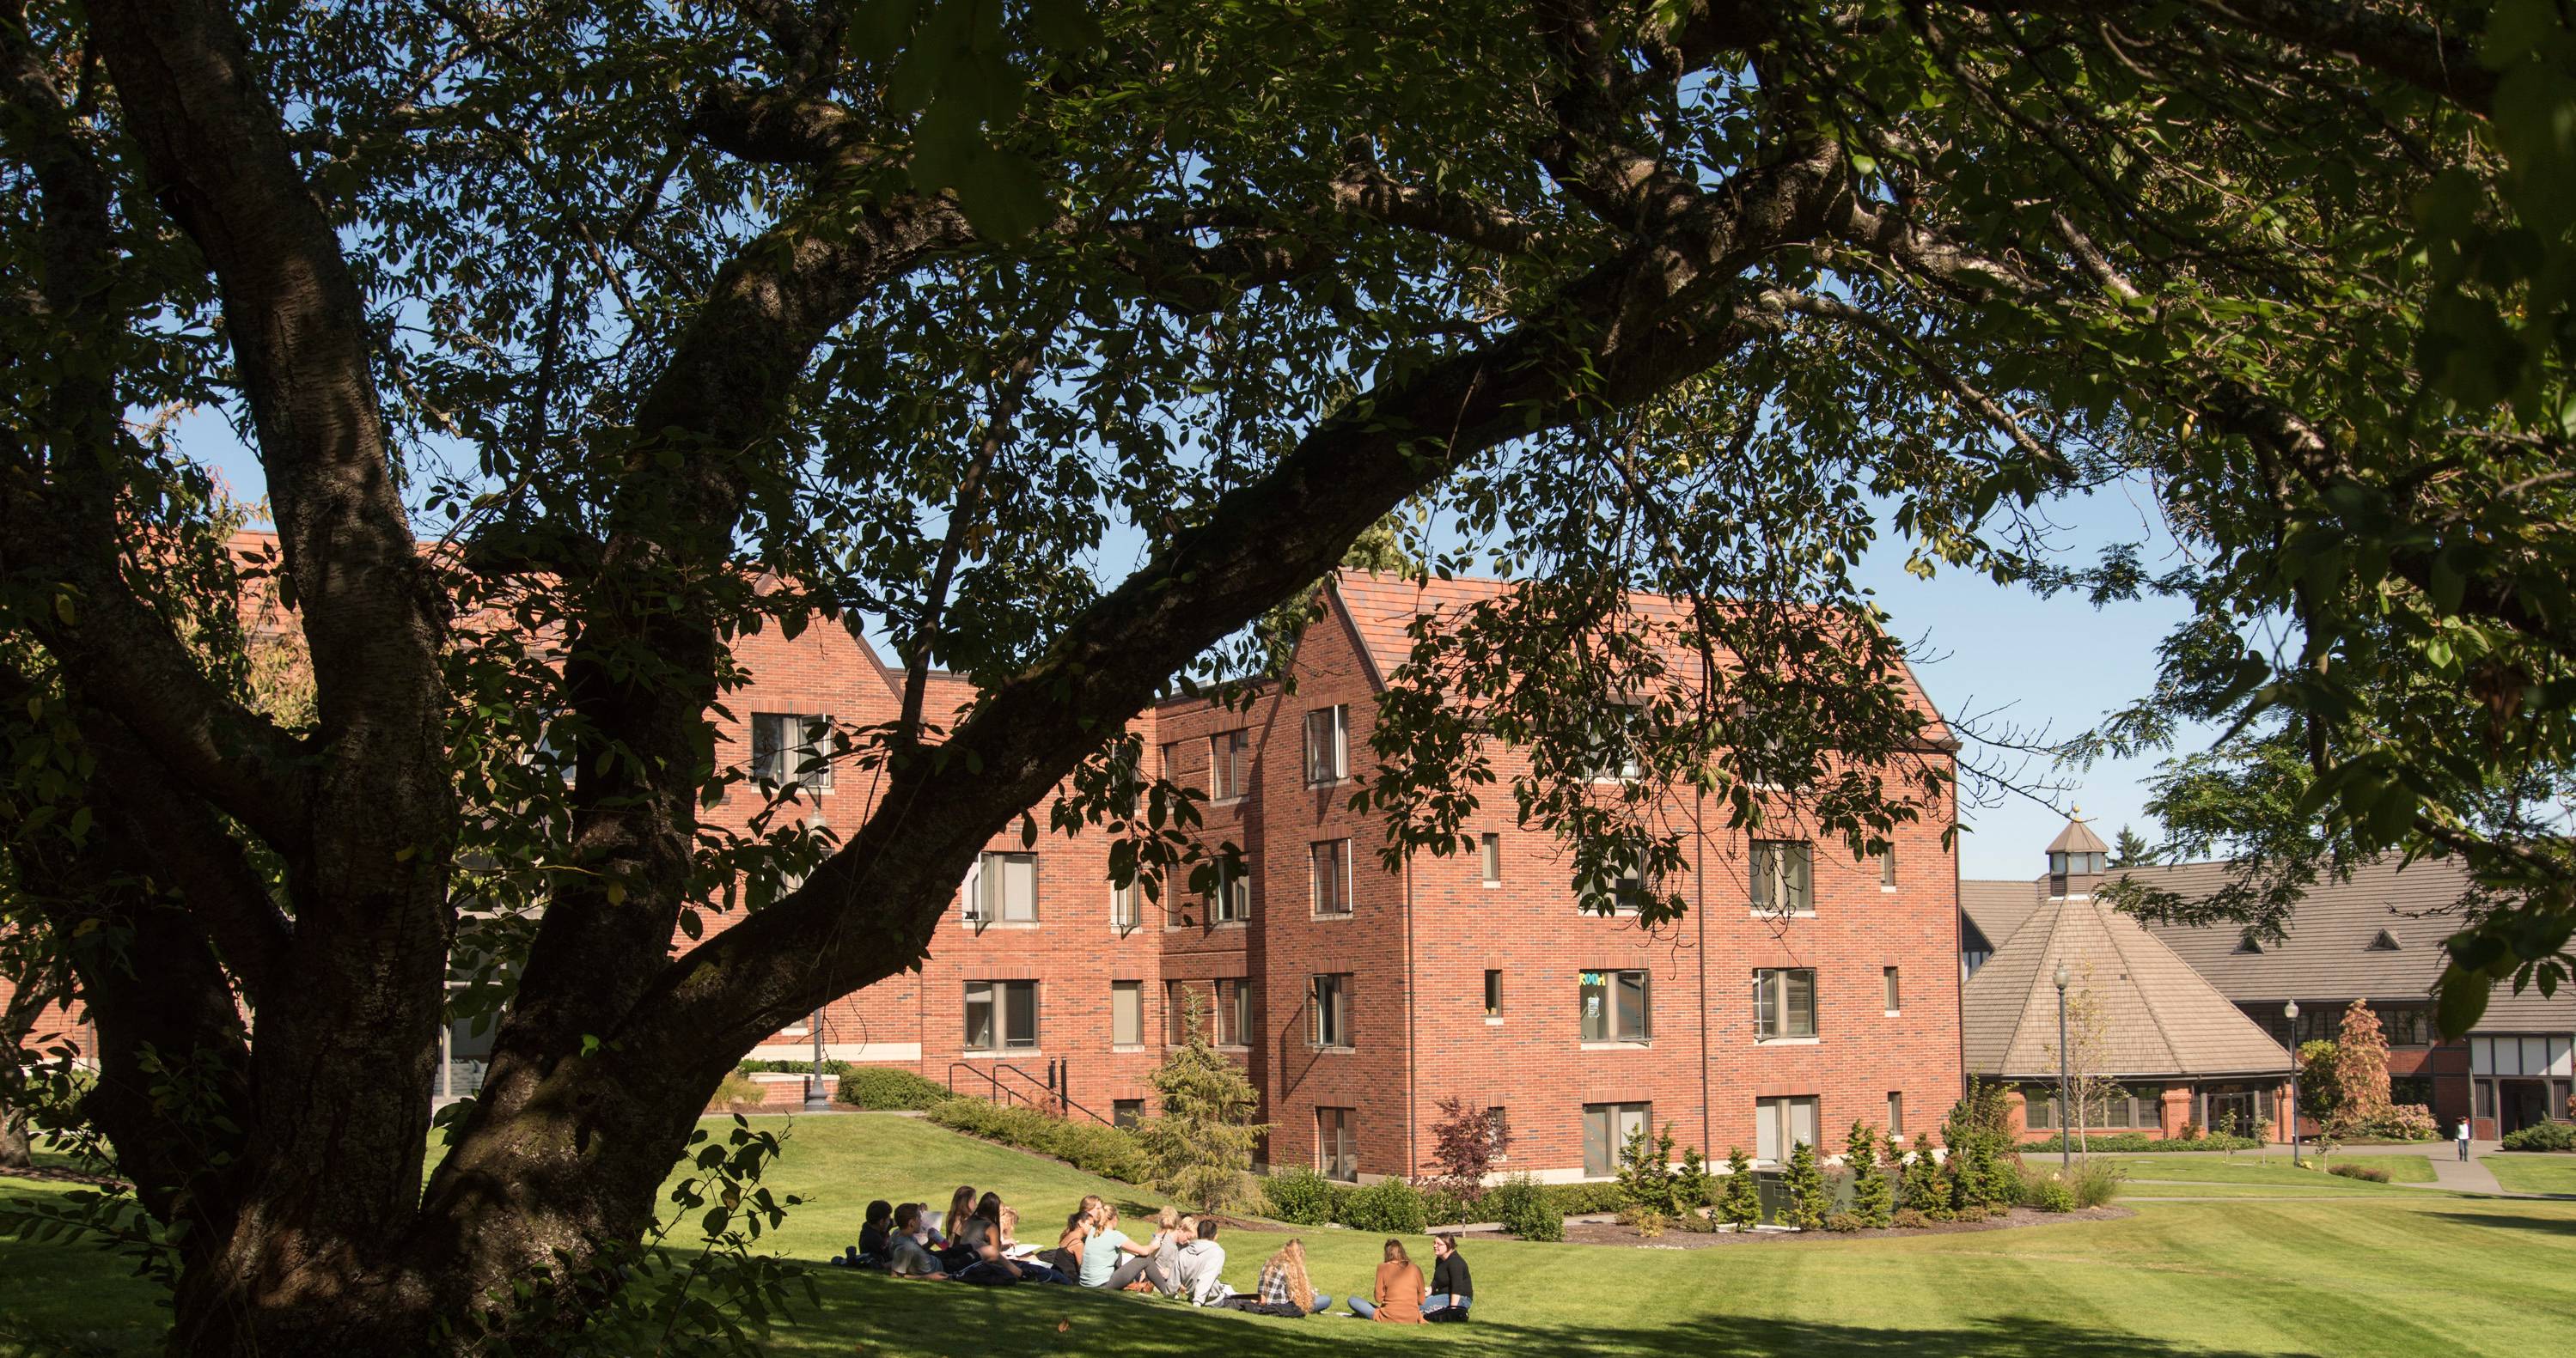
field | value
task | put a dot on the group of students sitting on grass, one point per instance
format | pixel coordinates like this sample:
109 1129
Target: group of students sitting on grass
975 1241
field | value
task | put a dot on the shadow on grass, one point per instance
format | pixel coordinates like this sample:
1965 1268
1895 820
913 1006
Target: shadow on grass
2545 1225
938 1318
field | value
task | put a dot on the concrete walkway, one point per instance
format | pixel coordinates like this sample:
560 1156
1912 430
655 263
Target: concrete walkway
2450 1173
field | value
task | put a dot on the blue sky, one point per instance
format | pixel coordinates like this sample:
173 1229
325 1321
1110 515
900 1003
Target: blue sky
2049 668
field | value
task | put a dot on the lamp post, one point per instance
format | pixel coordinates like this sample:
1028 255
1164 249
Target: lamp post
2065 1081
2290 1011
816 1099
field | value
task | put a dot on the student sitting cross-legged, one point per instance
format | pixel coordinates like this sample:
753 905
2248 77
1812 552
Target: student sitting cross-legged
1201 1261
1111 1260
875 1234
909 1255
1451 1289
1284 1289
1398 1291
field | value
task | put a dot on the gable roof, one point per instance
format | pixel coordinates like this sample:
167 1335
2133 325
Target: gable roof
1997 908
1382 608
2160 1017
2328 955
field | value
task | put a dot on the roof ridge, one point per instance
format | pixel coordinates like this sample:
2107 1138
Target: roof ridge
2155 1013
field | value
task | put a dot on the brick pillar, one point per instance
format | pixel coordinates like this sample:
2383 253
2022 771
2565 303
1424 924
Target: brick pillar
2177 1110
2016 1114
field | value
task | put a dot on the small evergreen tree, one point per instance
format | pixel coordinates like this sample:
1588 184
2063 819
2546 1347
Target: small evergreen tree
1693 1186
1740 1206
2131 849
1979 1168
1924 1189
1805 1185
2320 1093
1201 1145
1646 1171
1873 1198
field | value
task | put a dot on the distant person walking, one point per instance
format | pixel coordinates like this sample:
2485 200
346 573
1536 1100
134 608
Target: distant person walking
2464 1136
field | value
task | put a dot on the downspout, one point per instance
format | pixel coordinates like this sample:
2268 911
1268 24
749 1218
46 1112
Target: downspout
1412 1061
1958 937
1699 906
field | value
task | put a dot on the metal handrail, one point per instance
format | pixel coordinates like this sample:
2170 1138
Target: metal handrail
990 1074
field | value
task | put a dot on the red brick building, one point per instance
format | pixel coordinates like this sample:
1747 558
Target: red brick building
1359 997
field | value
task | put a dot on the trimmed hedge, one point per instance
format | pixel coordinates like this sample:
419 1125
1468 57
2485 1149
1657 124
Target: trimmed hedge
2543 1136
889 1088
2138 1143
1106 1151
1300 1197
770 1067
1389 1205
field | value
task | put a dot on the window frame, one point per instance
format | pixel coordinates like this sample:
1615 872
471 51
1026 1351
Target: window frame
1493 994
1613 1116
1316 878
1123 994
1229 780
1342 1146
1770 863
815 748
980 884
1773 1011
1893 980
1126 908
1614 987
1775 1119
1231 901
1489 859
1328 1003
1337 732
1896 1112
998 1003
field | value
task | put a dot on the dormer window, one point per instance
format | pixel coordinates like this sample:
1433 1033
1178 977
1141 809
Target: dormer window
2386 942
2248 944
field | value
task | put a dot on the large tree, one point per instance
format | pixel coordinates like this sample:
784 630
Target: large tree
672 324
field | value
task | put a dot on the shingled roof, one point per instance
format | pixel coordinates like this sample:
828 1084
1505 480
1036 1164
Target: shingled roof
2161 1018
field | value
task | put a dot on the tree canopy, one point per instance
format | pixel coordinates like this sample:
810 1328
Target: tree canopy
578 339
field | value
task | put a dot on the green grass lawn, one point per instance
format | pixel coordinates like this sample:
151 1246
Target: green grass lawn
2537 1172
2406 1272
2171 1176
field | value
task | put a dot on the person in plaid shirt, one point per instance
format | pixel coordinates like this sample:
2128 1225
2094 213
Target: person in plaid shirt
1283 1282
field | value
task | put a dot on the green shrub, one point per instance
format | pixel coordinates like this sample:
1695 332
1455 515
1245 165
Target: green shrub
888 1088
1389 1206
1525 1209
1693 1186
1806 1188
1844 1223
1974 1212
1873 1197
1106 1151
2044 1190
1445 1207
1740 1205
2543 1136
1646 1179
1907 1219
2139 1143
1646 1221
2095 1184
1576 1200
2367 1173
1920 1186
1300 1197
770 1067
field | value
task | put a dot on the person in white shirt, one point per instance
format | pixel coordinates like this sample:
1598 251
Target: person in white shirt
1201 1264
2464 1137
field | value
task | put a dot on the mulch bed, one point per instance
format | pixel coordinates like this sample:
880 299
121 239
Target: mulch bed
1612 1233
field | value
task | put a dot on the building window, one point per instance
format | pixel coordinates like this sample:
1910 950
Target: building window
1329 1005
1490 858
1887 868
1628 889
1606 1128
2039 1107
1229 765
2386 942
2486 1098
1001 1015
1896 1112
1784 1003
1783 876
1337 1149
1002 887
1329 868
1231 901
1498 1133
1493 994
1781 1125
1612 739
792 748
1172 761
1233 1027
1895 993
1126 1112
1126 1013
1616 1006
1124 915
1328 738
1180 1001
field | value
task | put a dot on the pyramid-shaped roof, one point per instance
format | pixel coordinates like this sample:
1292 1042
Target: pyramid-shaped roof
2160 1017
2077 837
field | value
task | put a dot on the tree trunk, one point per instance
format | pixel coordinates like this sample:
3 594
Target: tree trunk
15 1153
